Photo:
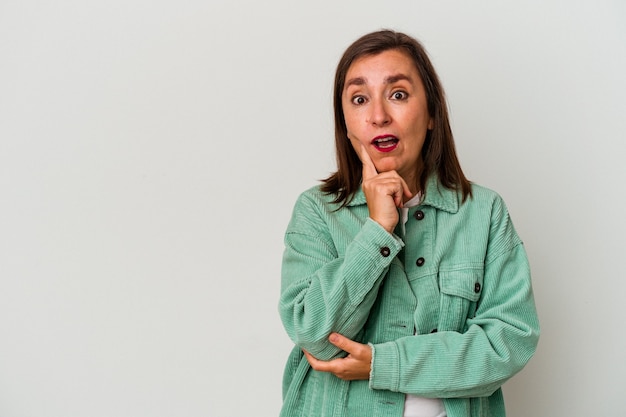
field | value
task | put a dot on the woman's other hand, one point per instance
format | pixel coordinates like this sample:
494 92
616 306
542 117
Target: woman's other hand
355 366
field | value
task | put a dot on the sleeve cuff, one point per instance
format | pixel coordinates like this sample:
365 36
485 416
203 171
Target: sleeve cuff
384 374
370 254
377 235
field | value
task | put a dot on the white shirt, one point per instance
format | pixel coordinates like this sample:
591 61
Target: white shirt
415 406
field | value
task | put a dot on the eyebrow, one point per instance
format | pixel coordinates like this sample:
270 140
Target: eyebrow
389 80
397 77
354 81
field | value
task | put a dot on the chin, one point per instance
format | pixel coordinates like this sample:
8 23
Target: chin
384 167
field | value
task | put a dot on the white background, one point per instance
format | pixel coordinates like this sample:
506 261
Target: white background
151 152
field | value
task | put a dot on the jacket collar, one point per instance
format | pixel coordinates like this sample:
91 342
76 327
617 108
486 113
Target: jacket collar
436 195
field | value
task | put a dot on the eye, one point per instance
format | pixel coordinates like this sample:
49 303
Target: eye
358 100
399 95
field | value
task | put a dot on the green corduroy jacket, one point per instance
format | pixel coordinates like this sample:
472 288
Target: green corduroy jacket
446 304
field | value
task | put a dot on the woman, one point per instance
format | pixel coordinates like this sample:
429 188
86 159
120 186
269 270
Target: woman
404 286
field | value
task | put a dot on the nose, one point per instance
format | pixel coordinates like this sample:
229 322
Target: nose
379 116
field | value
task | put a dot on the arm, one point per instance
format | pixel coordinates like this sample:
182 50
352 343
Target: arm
328 289
477 366
498 340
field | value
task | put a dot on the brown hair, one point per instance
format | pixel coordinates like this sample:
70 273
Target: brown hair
438 153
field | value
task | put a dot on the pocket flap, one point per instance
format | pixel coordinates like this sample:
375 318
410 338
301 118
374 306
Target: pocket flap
466 283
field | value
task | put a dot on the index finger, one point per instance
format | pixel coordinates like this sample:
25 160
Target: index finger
369 169
344 343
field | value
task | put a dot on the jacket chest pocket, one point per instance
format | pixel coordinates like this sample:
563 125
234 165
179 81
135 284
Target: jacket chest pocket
460 292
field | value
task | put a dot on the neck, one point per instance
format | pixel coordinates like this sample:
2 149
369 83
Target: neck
412 179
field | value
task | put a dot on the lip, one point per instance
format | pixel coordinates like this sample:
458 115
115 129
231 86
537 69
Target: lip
385 143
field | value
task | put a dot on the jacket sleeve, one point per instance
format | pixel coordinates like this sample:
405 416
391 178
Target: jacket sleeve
323 289
496 342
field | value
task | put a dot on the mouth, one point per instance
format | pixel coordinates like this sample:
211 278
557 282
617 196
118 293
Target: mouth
385 143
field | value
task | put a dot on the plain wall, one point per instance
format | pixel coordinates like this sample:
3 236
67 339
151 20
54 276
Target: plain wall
151 153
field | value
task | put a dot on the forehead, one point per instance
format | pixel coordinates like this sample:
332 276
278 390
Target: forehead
383 64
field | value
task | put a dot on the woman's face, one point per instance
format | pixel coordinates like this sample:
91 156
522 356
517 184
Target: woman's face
385 109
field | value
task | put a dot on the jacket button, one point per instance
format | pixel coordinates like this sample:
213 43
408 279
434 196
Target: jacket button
418 215
477 287
420 261
385 251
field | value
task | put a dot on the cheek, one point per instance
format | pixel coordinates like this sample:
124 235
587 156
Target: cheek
352 127
351 117
355 142
348 117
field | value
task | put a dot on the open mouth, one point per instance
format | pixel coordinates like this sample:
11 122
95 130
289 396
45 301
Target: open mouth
385 143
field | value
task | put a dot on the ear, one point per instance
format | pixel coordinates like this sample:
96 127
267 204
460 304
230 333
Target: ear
431 123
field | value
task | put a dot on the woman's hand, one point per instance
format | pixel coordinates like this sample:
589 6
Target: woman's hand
355 366
384 192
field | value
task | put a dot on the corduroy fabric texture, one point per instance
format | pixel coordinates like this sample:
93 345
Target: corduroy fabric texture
446 305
